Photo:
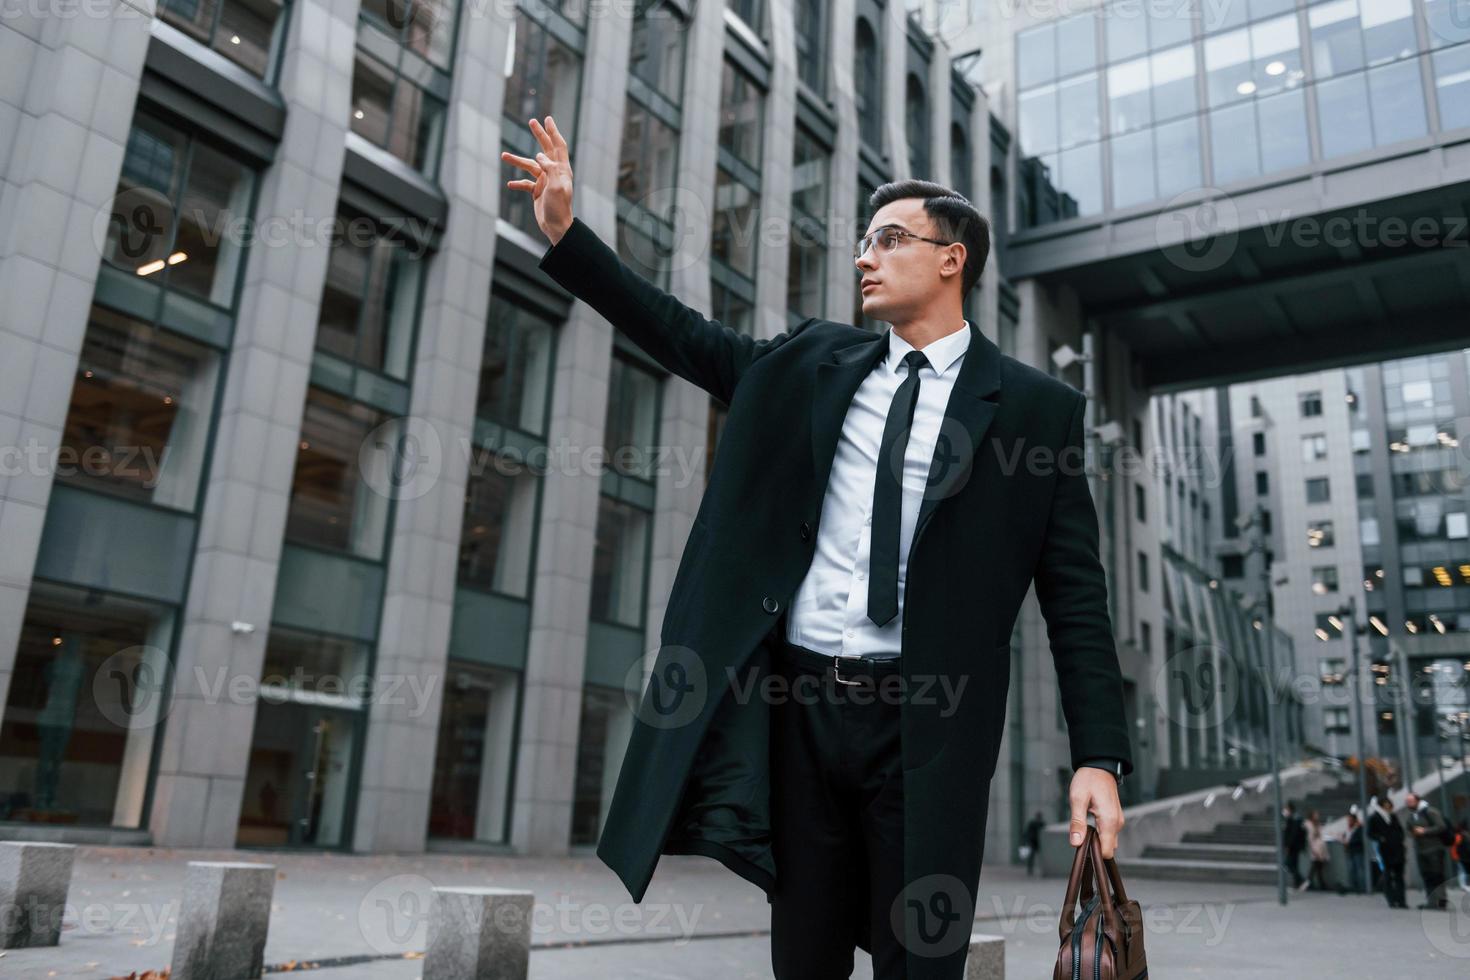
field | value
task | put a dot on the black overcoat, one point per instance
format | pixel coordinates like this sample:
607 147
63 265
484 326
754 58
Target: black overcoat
1007 505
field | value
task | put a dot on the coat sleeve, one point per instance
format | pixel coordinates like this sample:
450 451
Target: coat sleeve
1073 593
704 352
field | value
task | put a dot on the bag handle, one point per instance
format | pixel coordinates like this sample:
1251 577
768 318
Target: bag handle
1081 864
1088 865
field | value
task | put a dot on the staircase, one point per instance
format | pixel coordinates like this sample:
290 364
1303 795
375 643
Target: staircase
1242 852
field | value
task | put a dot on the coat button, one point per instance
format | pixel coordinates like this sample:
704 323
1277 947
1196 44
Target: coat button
770 605
806 531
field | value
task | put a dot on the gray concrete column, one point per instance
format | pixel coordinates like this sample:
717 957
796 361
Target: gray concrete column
223 921
207 736
773 215
418 604
68 80
34 880
845 225
546 752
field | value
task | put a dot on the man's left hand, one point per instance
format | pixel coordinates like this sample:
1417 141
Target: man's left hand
1095 791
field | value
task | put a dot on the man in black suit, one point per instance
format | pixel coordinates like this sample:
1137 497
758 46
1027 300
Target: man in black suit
825 710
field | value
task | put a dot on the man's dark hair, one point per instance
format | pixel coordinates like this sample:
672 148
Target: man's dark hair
954 218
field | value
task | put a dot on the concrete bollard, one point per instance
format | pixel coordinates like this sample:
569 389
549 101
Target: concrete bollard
34 878
224 920
479 934
987 959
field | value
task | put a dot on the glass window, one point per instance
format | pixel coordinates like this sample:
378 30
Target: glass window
1076 41
867 68
811 44
1319 534
1342 109
1448 22
602 737
1173 75
1319 491
1396 94
1126 28
392 112
750 12
650 153
731 309
543 76
1310 403
740 115
515 367
658 51
1337 40
177 199
339 490
370 300
917 127
631 427
1452 83
960 162
248 32
496 545
87 695
140 414
620 562
1236 152
806 276
317 662
1282 120
734 231
472 761
1314 447
425 27
1129 104
1324 579
810 176
1177 156
1133 168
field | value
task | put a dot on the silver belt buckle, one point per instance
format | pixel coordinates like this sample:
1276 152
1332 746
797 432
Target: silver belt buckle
837 675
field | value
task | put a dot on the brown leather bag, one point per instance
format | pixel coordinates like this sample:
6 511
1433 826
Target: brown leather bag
1104 941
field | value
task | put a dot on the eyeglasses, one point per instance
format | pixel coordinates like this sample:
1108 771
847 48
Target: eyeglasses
888 238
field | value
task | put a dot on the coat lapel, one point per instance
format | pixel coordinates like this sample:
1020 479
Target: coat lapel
967 417
971 408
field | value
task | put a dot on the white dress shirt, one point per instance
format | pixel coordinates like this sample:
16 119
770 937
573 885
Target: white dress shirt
830 611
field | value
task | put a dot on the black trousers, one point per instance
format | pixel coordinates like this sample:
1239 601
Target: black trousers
1393 884
837 816
1431 873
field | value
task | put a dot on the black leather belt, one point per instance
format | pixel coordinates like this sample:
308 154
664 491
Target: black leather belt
845 670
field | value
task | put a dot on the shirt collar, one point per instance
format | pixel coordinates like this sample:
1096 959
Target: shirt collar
940 353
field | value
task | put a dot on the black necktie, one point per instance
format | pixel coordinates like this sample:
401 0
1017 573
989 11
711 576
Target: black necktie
888 496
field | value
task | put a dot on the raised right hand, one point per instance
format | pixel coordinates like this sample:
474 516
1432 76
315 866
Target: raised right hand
551 188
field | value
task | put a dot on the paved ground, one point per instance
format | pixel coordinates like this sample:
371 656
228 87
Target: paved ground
350 917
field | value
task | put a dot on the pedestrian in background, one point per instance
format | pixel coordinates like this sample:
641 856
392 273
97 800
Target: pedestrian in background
1388 834
1461 854
1431 835
1352 845
1316 851
1293 839
1031 841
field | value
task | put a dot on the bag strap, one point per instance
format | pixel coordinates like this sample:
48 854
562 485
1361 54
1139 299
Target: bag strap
1081 865
1107 876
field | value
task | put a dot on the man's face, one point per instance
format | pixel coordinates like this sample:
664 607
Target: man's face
915 276
1411 801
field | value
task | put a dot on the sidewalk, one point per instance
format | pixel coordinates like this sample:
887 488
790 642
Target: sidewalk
364 917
